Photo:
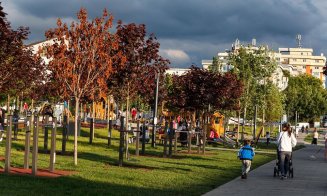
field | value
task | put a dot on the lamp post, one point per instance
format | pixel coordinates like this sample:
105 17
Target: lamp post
157 75
255 122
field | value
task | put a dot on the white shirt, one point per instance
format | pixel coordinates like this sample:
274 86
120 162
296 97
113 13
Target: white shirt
285 142
315 135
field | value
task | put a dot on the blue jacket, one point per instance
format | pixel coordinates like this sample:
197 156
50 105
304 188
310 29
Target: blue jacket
246 153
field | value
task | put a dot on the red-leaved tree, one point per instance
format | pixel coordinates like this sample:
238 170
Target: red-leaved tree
82 58
137 75
21 71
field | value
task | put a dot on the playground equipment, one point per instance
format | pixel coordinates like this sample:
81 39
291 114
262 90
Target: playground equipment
216 125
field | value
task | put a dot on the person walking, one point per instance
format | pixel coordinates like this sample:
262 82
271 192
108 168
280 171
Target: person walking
268 137
315 137
286 141
246 155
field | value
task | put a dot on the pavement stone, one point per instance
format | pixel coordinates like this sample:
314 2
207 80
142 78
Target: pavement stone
310 177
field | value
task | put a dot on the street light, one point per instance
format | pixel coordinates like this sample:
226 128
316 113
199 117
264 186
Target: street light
157 76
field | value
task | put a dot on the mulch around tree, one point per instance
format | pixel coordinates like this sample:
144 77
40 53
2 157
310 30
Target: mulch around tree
39 173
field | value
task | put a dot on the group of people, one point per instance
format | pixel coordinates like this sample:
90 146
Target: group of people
286 140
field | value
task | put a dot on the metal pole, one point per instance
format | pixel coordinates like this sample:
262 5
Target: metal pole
91 130
109 133
64 134
205 129
137 150
46 133
143 138
295 121
166 138
8 145
53 144
121 142
171 133
35 145
238 127
255 121
189 138
175 144
27 142
155 111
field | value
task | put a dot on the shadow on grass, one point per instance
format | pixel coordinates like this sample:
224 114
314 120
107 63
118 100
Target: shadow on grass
217 167
28 185
108 161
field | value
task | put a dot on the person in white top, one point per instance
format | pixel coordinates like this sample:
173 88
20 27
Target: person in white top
286 141
315 137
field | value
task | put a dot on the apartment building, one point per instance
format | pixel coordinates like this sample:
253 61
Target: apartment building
295 60
304 62
177 71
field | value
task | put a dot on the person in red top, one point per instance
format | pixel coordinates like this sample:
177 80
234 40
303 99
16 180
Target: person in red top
134 112
25 106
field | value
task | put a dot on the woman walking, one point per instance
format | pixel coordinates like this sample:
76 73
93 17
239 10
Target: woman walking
286 141
315 137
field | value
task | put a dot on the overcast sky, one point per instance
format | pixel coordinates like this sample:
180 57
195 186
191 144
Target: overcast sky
190 30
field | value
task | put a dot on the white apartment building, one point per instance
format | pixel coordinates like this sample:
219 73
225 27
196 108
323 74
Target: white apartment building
177 71
303 61
35 47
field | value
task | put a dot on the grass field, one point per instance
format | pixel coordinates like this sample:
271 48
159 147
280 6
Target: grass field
97 172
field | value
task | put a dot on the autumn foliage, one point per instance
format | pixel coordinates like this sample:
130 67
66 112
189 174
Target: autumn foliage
198 88
82 56
20 69
142 61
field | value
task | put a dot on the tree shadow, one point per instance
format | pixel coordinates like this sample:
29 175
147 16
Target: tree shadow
74 185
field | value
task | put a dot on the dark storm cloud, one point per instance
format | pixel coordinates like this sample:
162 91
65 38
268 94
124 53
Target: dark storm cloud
209 24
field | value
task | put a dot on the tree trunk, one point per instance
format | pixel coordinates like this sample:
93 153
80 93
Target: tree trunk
76 129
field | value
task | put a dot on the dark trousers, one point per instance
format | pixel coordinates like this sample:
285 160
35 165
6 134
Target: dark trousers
284 158
314 141
268 139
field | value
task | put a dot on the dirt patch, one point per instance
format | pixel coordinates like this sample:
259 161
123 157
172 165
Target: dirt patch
39 173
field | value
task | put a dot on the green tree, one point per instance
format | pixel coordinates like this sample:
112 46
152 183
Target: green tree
274 103
306 95
215 66
253 67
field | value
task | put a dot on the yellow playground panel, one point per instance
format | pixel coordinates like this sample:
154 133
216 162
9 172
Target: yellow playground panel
101 112
217 124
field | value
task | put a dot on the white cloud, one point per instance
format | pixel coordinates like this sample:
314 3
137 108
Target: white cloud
175 56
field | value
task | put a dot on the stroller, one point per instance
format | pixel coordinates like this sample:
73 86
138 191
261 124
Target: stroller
277 170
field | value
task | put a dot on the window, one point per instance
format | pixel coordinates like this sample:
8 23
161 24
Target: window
317 61
316 67
301 53
294 60
316 74
304 67
304 60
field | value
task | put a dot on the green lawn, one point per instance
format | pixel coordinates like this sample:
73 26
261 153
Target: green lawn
97 172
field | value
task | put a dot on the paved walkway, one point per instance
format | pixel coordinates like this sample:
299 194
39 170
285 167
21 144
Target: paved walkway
310 177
